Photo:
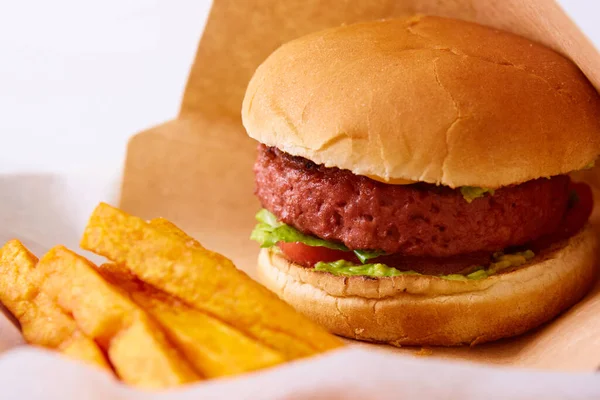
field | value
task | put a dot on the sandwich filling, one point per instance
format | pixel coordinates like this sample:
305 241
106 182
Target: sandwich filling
334 221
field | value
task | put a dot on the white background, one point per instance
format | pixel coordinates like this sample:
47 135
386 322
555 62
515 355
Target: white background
78 77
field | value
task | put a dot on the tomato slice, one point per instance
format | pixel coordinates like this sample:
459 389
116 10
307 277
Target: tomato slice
308 256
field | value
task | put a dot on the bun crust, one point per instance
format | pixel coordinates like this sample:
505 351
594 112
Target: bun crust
426 99
426 310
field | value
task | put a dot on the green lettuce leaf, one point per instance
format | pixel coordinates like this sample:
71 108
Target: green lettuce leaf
501 262
365 255
471 193
269 231
346 268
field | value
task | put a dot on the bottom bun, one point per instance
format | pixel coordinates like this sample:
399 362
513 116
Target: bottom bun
427 310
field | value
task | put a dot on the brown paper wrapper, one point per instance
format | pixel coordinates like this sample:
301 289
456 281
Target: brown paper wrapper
197 169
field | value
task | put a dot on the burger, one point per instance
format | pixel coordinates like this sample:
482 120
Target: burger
414 180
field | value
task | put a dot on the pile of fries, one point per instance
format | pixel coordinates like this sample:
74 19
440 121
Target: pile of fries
165 311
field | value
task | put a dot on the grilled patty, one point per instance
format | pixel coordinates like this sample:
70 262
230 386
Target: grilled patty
420 220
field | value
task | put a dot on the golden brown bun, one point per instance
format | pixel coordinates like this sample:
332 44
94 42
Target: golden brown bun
426 310
426 99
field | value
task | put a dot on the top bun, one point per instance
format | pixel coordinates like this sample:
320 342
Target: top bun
426 99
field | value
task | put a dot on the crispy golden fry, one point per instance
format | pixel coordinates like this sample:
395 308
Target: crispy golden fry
217 348
167 226
210 345
83 348
136 346
205 280
42 321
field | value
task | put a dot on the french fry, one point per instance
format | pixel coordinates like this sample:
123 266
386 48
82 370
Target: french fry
205 280
210 345
218 348
42 321
168 227
135 345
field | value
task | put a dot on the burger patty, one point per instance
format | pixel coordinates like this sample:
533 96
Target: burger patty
412 220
